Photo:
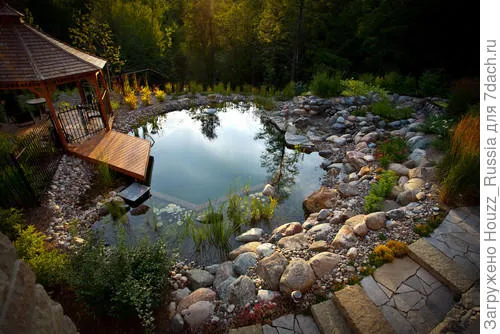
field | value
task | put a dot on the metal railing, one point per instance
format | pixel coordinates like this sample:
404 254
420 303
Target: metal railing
26 173
80 122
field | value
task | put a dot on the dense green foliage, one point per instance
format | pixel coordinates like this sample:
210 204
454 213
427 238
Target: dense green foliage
325 85
11 222
121 280
380 190
388 111
48 264
394 149
271 41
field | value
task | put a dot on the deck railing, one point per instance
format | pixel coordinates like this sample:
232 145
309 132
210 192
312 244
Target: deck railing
80 122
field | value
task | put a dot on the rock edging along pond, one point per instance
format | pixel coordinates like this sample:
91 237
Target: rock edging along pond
332 246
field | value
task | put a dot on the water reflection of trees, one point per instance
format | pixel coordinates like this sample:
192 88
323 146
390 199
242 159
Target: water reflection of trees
208 125
278 161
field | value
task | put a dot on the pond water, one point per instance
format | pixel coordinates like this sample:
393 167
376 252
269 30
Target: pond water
200 154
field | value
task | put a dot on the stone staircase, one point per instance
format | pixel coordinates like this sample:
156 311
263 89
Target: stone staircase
430 291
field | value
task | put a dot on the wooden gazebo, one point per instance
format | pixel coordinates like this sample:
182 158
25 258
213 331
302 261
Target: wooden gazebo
31 60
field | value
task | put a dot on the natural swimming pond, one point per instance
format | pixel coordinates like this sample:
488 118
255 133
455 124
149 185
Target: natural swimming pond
203 153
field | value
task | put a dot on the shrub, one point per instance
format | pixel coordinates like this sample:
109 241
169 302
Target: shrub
267 103
433 83
325 85
121 280
379 191
393 149
146 96
367 78
460 165
424 230
398 248
289 91
126 86
135 84
11 222
397 83
105 175
464 94
373 203
195 88
48 264
159 94
359 88
131 101
380 255
437 124
220 89
386 110
115 105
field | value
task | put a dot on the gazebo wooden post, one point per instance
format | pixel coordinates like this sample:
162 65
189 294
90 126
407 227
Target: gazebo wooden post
104 115
107 90
46 92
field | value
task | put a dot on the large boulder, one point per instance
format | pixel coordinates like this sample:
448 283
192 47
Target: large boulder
242 291
399 169
414 185
320 231
265 249
294 242
248 247
376 220
270 270
286 230
347 190
323 263
324 198
406 197
224 271
345 238
202 294
244 261
222 288
199 278
197 313
298 275
429 174
252 234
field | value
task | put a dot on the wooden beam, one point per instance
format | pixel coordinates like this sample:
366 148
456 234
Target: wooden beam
46 92
95 83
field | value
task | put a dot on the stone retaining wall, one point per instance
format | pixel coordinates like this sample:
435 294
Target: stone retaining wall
25 306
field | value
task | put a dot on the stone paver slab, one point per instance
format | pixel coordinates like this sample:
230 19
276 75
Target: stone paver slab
397 320
441 266
329 319
253 329
374 291
266 329
286 321
361 313
391 275
305 325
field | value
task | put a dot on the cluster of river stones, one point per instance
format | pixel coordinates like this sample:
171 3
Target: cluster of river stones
298 260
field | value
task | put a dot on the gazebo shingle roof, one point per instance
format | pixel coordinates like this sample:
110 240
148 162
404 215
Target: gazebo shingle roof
27 55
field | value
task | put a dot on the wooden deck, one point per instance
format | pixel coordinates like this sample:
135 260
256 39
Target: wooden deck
126 154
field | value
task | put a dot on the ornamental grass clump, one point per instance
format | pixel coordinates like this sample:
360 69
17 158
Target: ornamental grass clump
398 248
460 167
159 94
146 96
380 255
130 100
